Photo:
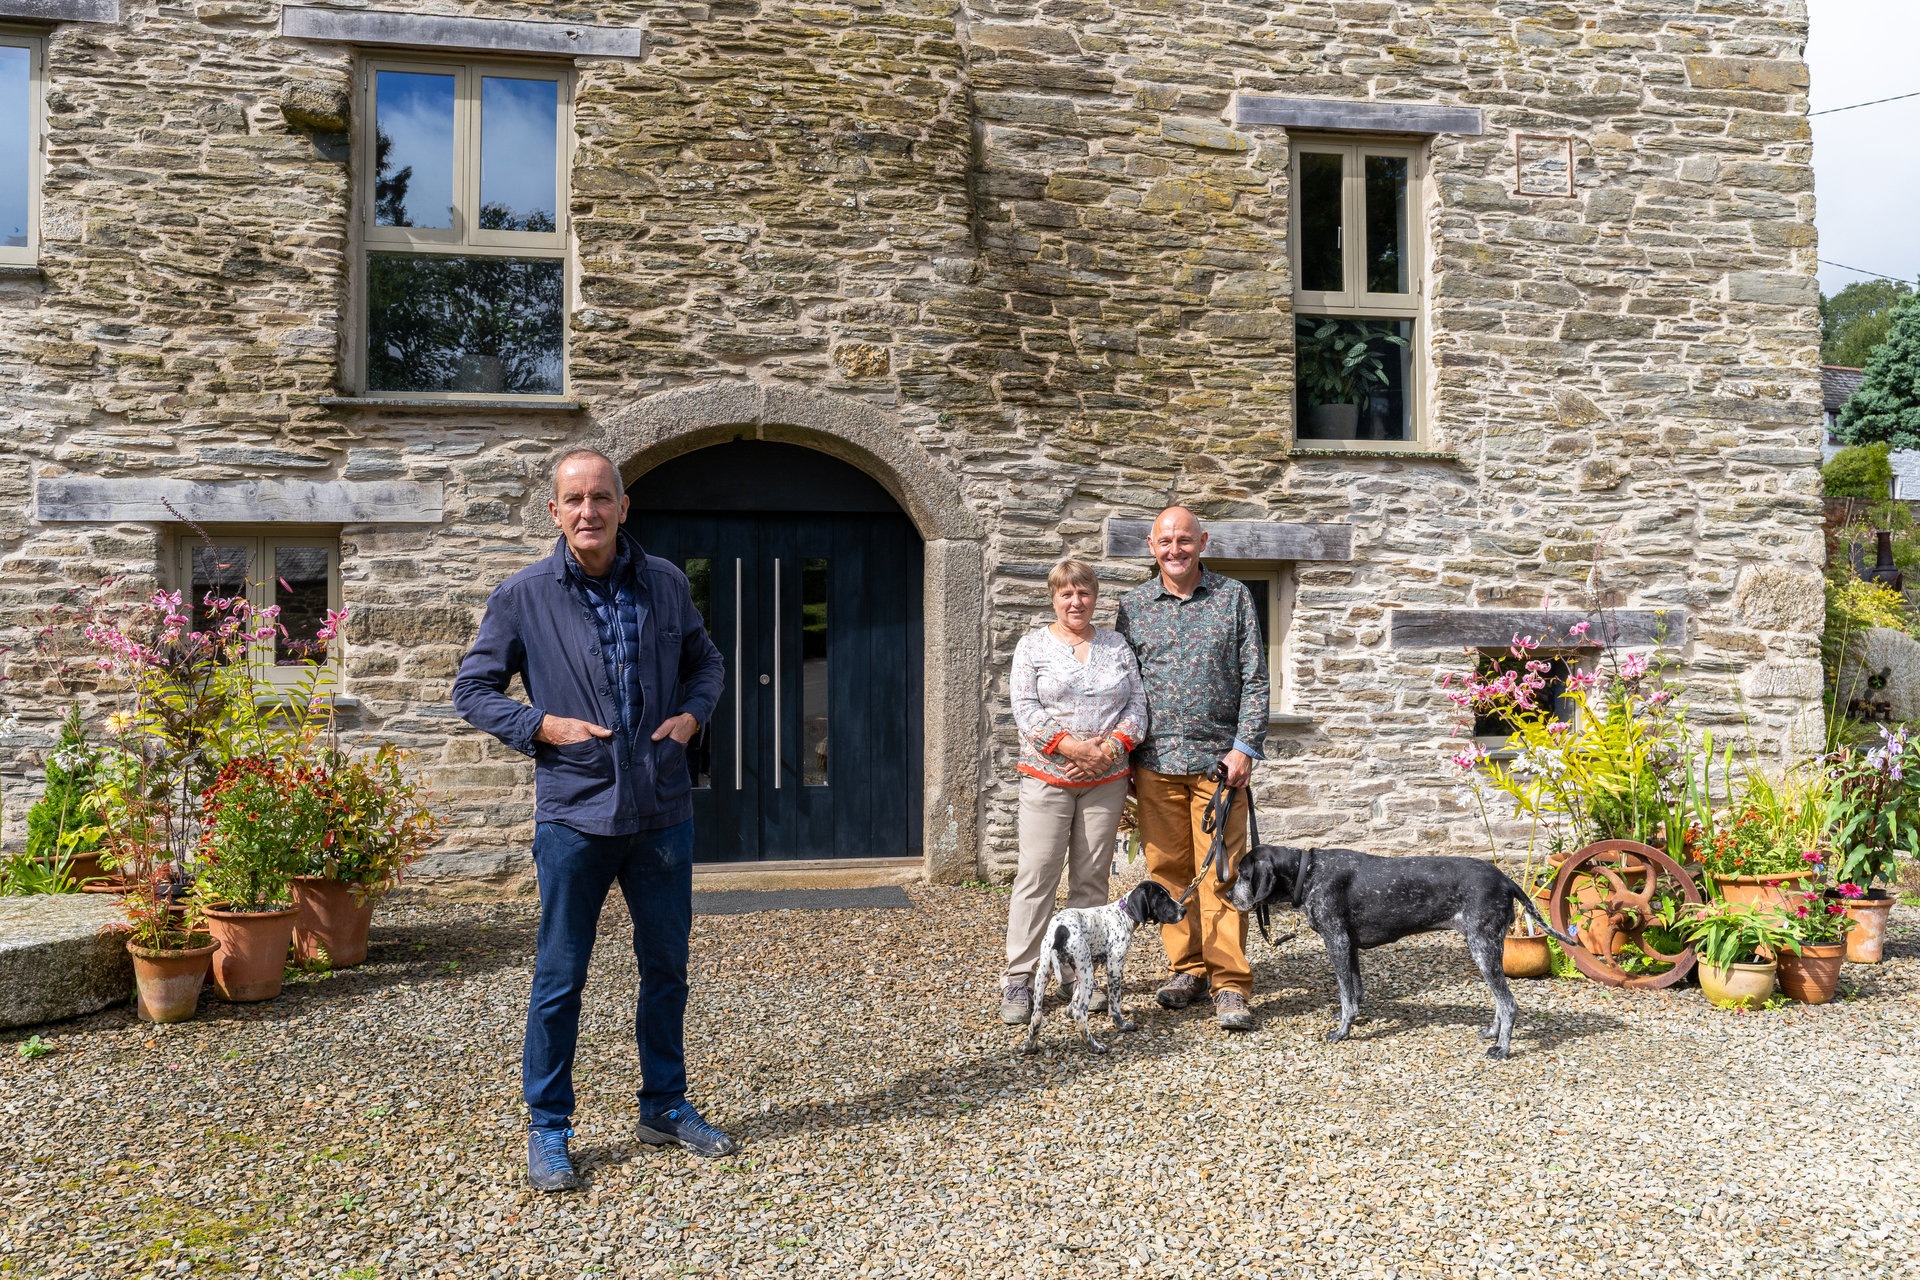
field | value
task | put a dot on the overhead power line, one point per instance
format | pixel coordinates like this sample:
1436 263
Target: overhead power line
1855 106
1863 271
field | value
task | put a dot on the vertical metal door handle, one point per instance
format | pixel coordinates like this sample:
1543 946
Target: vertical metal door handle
739 687
776 673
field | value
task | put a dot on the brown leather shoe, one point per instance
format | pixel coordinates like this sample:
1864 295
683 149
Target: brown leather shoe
1181 990
1230 1007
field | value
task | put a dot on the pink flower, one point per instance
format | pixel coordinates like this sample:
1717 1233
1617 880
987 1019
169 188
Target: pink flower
1852 890
1578 629
1813 856
1467 759
1633 666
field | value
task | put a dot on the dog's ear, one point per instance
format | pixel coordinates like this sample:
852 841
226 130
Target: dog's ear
1133 904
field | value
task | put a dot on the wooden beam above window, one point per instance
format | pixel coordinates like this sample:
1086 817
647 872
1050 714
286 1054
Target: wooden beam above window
61 10
1363 117
1496 628
463 35
1243 540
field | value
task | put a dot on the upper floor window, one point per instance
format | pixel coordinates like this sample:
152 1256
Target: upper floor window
463 219
298 575
1357 272
20 126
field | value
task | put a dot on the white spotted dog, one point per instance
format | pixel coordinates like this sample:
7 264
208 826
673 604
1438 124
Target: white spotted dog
1079 936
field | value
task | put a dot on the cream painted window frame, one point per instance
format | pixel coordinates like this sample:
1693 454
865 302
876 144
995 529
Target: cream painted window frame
261 544
465 238
28 255
1278 578
1354 301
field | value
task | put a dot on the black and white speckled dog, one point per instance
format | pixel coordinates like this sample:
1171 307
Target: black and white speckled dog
1355 900
1079 936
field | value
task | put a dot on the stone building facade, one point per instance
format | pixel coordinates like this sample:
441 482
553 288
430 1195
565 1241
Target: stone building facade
1035 269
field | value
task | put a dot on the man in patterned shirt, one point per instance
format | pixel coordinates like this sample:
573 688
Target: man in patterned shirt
1205 668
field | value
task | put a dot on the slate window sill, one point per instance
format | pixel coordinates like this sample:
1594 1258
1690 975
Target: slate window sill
502 404
1287 721
21 271
1406 455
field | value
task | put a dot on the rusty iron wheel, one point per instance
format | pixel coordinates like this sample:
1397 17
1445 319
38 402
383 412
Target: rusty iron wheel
1621 880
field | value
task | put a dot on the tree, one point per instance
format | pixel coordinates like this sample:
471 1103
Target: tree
1860 472
1887 405
1855 320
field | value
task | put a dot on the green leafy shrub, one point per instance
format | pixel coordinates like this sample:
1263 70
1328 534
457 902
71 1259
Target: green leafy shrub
1862 471
1887 405
58 825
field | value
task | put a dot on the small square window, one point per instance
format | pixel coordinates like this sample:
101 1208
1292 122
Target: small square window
1492 730
299 575
20 146
463 222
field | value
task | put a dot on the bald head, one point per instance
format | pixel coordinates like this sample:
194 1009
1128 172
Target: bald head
1177 544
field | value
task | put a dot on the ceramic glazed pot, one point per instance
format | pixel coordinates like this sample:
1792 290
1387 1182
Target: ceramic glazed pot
1769 891
253 952
167 983
1869 933
1526 957
1814 975
331 917
1740 986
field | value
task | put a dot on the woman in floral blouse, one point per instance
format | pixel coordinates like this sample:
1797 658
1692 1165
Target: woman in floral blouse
1080 708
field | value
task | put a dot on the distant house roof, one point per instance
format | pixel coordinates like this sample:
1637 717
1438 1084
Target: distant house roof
1837 384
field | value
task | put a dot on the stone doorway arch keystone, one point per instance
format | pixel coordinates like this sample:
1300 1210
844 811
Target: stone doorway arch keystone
670 423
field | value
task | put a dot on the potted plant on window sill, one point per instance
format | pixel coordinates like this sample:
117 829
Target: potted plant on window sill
251 843
372 823
1737 944
1873 817
1339 369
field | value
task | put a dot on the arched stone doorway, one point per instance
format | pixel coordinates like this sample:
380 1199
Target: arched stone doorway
808 575
872 441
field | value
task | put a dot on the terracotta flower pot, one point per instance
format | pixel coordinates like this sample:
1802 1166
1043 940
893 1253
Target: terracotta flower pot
1526 957
1869 933
253 952
1740 986
1814 975
1768 891
167 983
332 918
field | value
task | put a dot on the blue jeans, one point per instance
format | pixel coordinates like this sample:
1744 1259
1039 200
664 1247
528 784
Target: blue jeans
655 871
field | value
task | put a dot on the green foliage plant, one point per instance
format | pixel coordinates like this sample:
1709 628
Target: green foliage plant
369 820
1855 320
1728 933
259 824
1873 811
1336 361
34 1047
1817 920
60 826
1859 471
22 875
1887 405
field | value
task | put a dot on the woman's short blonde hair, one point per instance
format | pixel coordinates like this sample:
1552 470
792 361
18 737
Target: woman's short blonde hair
1072 573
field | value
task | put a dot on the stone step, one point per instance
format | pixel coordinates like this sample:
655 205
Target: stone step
55 961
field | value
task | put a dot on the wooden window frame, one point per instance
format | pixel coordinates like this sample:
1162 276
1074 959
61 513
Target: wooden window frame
28 255
262 542
1354 301
465 238
1279 579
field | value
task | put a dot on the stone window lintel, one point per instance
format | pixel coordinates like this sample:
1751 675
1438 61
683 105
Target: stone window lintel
462 35
1495 628
1267 540
1358 117
96 500
107 11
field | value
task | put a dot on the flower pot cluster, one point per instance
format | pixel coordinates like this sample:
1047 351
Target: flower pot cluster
1597 747
238 828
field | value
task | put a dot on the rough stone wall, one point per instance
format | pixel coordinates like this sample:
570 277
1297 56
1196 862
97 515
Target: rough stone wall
1027 230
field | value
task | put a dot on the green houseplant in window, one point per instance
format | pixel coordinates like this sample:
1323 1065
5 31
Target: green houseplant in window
1340 364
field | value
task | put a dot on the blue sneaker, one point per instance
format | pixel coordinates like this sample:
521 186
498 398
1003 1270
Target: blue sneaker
685 1126
549 1167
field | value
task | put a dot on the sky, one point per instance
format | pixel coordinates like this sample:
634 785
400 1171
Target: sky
1866 163
518 129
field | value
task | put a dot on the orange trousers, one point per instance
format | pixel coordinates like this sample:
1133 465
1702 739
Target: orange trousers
1212 941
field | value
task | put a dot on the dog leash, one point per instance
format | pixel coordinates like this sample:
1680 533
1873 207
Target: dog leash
1214 823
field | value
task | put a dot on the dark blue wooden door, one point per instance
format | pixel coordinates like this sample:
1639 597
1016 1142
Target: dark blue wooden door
814 750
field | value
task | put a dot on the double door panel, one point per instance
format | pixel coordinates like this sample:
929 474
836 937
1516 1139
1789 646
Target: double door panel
814 749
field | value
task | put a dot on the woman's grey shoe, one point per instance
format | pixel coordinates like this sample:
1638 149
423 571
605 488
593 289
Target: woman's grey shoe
1181 990
1096 1004
1016 1004
1231 1009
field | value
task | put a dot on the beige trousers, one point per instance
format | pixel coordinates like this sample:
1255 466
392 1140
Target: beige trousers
1211 942
1070 826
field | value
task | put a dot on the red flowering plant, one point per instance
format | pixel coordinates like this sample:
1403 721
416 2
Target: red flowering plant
372 821
258 823
1747 840
1816 920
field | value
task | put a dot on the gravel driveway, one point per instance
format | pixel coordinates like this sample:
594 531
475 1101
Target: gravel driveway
369 1124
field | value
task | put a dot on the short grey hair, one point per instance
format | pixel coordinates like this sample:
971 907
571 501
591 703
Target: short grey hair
553 480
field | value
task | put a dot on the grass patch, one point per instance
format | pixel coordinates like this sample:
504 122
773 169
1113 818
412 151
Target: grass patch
209 1238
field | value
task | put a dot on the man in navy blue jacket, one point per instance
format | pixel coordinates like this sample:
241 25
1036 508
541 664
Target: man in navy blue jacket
619 674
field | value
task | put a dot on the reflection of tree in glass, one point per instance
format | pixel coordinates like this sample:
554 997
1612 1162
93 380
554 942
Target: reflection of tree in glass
389 193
